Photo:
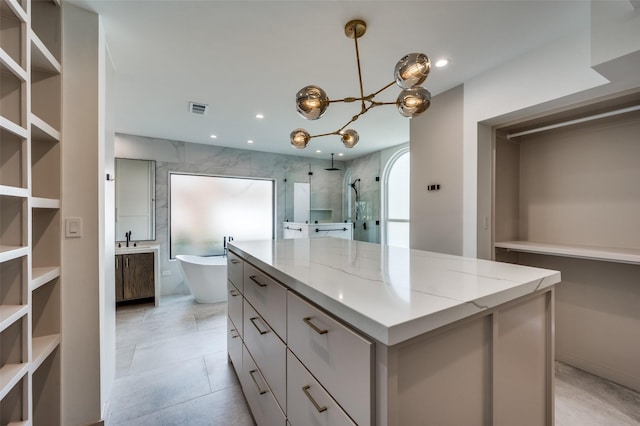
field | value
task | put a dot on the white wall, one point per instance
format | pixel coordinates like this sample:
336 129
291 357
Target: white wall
83 193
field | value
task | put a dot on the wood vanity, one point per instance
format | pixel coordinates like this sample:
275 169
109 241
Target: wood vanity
137 273
330 331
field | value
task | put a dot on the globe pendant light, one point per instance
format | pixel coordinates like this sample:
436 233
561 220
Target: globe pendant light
410 72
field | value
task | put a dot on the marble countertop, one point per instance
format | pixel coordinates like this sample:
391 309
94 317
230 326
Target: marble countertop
391 294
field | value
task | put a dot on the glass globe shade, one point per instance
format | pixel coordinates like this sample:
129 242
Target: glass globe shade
311 102
412 70
349 138
414 101
300 138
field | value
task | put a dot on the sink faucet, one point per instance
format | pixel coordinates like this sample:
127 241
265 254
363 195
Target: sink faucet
128 236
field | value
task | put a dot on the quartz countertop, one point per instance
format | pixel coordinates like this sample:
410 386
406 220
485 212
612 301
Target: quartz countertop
391 294
138 248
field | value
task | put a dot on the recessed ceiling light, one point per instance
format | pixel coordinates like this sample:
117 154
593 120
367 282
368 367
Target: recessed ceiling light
318 151
441 62
259 116
213 137
249 141
340 154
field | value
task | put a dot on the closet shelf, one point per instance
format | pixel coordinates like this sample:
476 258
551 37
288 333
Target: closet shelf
12 127
12 252
42 348
41 130
41 58
9 314
12 65
606 254
22 423
45 203
43 275
10 374
14 191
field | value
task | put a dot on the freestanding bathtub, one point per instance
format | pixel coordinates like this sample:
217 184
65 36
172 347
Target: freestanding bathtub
206 277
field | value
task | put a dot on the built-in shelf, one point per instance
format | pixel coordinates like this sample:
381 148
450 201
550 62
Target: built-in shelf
9 314
16 9
22 423
45 203
11 65
12 252
41 58
41 276
12 191
42 347
10 375
607 254
42 131
13 127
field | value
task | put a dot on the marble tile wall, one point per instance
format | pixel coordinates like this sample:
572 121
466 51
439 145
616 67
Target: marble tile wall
176 156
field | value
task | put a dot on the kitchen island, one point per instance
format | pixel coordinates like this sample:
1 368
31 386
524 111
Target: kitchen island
331 331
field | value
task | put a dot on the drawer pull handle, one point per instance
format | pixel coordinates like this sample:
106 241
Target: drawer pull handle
234 261
234 293
320 409
232 336
253 321
315 328
253 278
262 392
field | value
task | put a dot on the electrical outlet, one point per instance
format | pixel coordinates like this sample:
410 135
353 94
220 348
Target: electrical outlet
166 273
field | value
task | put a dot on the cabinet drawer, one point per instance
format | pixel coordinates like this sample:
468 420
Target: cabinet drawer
337 356
268 297
234 346
308 402
235 270
234 306
268 351
264 407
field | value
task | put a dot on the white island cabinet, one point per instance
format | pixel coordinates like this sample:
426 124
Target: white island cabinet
342 332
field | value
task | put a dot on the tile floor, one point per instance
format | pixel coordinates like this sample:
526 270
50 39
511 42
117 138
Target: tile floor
172 370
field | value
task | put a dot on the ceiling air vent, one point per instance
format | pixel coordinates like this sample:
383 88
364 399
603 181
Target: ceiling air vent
198 108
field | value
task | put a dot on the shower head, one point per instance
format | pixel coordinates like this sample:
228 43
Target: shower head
332 168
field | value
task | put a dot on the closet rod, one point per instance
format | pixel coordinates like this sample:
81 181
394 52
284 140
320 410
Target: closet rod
576 121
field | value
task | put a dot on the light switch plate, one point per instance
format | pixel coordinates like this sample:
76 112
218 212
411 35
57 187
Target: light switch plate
73 227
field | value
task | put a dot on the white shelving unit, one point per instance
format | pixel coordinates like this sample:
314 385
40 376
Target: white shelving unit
30 230
568 199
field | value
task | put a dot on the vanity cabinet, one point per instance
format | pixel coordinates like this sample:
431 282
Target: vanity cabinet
135 276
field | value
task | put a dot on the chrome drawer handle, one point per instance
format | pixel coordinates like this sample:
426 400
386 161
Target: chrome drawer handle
234 293
256 325
234 261
320 409
253 278
315 328
262 392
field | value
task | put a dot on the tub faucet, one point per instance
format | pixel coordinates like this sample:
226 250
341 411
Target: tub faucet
128 236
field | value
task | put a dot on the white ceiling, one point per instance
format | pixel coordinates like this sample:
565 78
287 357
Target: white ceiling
248 57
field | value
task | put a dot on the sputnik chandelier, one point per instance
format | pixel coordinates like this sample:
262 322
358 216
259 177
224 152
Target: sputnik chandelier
410 72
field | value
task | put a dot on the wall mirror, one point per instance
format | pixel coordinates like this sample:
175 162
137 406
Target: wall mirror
135 199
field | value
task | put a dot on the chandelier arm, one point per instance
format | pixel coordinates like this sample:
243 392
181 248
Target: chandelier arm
355 39
325 134
384 88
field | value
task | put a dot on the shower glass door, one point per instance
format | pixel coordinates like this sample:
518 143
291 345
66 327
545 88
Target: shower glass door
206 210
